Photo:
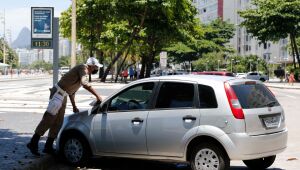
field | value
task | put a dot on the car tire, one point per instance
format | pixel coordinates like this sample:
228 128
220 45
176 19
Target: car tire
75 150
209 156
261 163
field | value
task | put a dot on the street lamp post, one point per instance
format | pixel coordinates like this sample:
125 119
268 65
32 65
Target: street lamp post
257 65
73 34
218 65
250 65
4 48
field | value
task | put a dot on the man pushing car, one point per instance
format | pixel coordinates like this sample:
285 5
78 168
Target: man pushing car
54 115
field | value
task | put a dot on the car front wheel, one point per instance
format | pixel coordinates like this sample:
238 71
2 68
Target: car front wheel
261 163
209 157
75 150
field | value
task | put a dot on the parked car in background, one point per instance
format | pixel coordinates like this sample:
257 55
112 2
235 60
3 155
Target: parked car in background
218 73
241 75
257 76
205 120
64 70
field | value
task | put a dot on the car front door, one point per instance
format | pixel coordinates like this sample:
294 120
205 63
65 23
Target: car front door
122 129
173 119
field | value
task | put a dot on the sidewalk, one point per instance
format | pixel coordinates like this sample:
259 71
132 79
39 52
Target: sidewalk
275 83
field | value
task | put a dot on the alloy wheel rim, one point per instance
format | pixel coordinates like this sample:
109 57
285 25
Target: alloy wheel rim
73 150
207 159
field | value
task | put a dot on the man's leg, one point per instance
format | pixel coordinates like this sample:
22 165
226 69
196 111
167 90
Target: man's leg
40 130
54 129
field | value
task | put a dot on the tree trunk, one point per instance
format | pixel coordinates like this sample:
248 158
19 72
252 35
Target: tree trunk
293 41
119 69
142 72
101 59
129 42
149 64
293 50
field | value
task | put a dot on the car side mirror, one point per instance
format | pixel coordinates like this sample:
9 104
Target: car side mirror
103 108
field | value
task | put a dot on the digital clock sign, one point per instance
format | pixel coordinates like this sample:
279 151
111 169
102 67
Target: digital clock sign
42 27
43 44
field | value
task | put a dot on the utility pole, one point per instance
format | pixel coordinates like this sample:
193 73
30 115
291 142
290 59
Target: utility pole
73 36
4 47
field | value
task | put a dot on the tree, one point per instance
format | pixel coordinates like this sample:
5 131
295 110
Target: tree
202 40
271 20
10 54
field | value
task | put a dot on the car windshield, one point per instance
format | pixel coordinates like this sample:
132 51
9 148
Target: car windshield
254 96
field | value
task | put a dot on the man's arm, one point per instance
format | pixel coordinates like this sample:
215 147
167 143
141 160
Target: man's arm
93 91
72 99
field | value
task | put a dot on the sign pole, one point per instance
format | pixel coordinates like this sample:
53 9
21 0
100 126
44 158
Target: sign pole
55 49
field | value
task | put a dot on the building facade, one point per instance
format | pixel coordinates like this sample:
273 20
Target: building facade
243 42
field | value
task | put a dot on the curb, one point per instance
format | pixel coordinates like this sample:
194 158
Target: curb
43 163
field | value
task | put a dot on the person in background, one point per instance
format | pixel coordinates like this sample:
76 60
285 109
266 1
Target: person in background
131 73
125 75
292 78
54 115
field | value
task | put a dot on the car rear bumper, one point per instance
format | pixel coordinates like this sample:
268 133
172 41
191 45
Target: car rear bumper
243 147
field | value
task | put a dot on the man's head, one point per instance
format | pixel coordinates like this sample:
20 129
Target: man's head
93 65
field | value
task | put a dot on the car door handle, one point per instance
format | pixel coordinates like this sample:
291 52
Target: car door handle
137 121
189 118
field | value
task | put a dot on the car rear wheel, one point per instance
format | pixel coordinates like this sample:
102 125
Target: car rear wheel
75 150
209 157
261 163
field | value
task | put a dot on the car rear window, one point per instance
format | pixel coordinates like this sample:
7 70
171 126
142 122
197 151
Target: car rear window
254 96
207 97
175 95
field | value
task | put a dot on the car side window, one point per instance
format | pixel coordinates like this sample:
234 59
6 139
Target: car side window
207 97
175 95
133 98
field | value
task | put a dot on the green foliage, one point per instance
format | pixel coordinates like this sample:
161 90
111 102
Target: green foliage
272 20
65 61
41 65
210 62
11 56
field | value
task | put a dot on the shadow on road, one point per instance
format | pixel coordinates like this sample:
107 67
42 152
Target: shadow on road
14 154
136 164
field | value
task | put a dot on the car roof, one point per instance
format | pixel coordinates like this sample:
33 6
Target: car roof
191 77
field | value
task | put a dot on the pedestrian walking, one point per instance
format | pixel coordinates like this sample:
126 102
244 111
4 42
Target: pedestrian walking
54 115
125 75
131 73
292 78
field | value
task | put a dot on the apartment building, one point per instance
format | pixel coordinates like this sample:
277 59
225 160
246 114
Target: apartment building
243 42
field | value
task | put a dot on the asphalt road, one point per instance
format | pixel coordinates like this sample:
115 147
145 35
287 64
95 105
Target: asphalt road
22 104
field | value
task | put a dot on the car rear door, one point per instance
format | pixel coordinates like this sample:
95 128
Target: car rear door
173 119
263 113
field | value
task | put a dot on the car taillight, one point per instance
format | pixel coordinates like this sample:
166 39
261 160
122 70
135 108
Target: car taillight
234 103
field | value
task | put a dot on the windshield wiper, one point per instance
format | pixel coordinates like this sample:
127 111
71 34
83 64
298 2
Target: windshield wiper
271 103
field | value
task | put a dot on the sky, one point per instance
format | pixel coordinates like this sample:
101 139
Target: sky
17 13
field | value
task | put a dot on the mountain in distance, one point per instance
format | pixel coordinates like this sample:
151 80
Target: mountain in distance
23 39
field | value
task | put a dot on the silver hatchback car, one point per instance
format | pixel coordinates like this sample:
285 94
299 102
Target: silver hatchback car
201 119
